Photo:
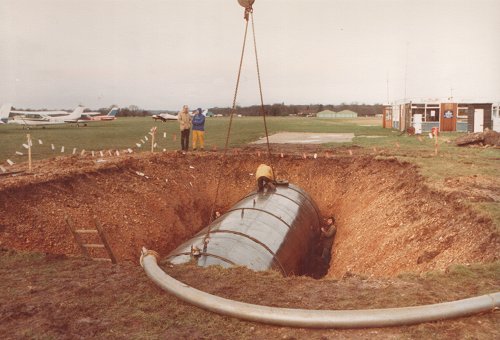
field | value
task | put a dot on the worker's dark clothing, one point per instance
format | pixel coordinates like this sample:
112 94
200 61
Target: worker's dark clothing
327 241
262 182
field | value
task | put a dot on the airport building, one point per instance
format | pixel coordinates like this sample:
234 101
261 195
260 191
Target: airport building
458 116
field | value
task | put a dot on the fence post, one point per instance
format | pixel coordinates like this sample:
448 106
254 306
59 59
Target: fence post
29 152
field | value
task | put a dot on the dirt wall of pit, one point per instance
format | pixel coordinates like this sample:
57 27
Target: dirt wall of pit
388 221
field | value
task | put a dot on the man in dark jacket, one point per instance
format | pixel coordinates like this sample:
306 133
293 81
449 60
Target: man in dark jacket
199 129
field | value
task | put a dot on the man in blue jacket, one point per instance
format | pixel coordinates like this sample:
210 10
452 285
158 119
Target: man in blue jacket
199 129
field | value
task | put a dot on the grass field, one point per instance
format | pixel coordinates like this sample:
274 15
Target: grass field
126 132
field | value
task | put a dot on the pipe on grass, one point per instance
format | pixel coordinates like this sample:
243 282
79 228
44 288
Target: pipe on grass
316 318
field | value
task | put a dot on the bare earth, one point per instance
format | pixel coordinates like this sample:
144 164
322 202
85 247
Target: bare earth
389 222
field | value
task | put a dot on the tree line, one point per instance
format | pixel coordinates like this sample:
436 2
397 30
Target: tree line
287 110
271 110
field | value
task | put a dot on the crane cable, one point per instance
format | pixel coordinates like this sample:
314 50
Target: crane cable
262 109
248 13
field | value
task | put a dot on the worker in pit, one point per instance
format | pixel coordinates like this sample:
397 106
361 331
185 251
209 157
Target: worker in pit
265 178
327 235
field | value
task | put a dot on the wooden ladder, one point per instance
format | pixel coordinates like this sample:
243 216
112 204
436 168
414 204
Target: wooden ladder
85 246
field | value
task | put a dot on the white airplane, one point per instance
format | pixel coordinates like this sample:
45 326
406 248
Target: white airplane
36 114
97 116
4 113
40 118
168 116
164 117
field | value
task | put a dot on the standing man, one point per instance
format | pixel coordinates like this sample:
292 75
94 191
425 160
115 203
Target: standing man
198 129
185 125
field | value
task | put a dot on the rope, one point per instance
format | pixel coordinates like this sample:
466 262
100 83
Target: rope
219 175
248 13
262 110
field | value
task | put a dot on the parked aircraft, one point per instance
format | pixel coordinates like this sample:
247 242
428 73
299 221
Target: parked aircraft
36 114
39 118
4 113
164 117
96 116
167 116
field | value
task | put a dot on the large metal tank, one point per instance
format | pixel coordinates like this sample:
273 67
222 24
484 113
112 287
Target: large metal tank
261 231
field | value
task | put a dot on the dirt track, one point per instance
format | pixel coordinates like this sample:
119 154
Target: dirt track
389 222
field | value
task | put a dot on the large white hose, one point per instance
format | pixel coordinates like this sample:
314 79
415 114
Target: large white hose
317 318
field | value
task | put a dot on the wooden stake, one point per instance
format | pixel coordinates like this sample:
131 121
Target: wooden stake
436 144
29 152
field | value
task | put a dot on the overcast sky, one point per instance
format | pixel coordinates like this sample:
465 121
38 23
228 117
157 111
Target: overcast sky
161 54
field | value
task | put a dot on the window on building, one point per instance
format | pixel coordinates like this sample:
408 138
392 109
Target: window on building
462 114
432 113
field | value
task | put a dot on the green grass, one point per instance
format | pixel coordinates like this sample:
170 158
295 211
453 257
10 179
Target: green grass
126 132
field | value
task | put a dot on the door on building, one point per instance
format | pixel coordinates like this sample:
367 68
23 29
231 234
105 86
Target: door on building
417 123
478 120
448 117
495 117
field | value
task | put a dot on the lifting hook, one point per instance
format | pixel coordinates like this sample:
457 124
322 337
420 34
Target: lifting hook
247 4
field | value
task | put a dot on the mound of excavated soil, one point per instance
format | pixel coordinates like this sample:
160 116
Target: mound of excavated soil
388 221
488 137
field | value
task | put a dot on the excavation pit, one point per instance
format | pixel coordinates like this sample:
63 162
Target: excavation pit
388 221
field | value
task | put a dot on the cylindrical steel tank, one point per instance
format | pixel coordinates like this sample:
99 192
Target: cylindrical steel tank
261 231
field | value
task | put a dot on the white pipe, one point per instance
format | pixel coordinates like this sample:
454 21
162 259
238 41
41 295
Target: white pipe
317 318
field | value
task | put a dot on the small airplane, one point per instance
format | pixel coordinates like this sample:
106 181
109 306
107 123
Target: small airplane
164 117
96 116
36 114
40 118
167 116
4 113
